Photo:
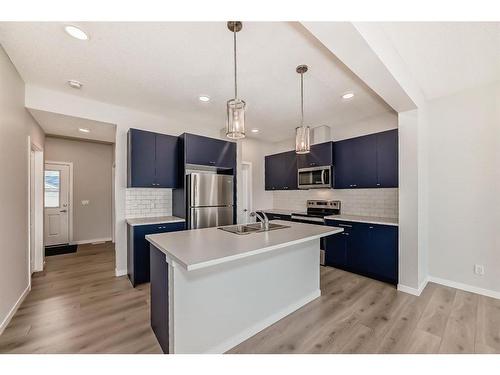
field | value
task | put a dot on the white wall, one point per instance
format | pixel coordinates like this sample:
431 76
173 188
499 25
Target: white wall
464 187
15 127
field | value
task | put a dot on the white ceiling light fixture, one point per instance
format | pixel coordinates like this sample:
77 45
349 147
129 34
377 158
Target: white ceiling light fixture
302 133
255 130
76 32
348 95
75 84
235 107
204 98
84 130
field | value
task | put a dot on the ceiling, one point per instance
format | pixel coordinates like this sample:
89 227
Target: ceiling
162 68
67 126
447 57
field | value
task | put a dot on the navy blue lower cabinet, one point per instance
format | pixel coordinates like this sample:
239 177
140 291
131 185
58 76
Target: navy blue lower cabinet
336 250
367 249
159 297
138 262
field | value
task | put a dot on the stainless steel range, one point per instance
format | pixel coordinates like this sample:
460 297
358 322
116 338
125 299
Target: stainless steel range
316 212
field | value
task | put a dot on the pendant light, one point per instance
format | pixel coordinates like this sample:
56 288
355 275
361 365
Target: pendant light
302 133
235 107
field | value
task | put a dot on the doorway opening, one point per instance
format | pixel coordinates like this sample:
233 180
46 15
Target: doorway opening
246 192
58 207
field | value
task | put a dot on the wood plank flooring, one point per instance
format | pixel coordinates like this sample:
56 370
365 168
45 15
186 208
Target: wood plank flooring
360 315
77 306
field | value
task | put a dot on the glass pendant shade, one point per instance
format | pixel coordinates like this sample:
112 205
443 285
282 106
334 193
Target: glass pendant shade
235 119
302 140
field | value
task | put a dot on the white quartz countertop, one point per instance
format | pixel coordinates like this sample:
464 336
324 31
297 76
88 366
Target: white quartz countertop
154 220
365 219
201 248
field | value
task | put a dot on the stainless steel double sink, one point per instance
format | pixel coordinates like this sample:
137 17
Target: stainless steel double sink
251 228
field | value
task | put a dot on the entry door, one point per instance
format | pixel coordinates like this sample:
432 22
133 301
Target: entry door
56 181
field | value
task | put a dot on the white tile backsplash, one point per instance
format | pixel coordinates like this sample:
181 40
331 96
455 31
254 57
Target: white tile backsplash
365 202
148 202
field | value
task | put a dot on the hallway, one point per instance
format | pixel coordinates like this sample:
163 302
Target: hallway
77 306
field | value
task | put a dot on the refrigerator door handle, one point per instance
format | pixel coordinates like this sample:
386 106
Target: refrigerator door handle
195 190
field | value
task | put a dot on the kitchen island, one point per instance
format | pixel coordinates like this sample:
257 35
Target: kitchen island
211 289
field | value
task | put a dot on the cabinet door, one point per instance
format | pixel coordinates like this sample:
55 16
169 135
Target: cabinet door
336 247
210 151
342 170
387 159
358 247
321 154
274 173
336 250
364 161
141 158
289 170
382 253
166 161
355 163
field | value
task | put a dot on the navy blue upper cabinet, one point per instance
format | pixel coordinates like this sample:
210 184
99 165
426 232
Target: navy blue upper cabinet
370 161
355 162
387 159
281 171
166 160
209 151
141 158
152 159
321 154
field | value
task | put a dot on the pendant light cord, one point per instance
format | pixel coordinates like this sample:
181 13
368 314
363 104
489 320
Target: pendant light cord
235 80
302 99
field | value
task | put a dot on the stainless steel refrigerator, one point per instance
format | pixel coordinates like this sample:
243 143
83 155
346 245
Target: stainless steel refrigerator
210 200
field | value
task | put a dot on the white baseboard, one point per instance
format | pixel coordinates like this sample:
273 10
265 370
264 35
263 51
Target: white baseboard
14 308
246 334
83 242
466 287
413 291
120 272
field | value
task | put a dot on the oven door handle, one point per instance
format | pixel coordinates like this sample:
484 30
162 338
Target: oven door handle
323 176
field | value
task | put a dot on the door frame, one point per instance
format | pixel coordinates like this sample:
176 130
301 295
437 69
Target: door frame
249 187
37 205
70 200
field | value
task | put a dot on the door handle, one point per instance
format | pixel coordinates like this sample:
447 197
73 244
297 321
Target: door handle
63 211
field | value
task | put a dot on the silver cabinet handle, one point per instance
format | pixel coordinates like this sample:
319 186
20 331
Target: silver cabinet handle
63 211
345 225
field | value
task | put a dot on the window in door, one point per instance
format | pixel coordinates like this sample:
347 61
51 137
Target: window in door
52 188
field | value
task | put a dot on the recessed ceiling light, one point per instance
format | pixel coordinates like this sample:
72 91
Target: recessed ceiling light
255 130
204 98
76 32
75 84
348 95
84 130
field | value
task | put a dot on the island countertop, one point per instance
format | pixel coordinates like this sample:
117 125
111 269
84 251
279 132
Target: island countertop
201 248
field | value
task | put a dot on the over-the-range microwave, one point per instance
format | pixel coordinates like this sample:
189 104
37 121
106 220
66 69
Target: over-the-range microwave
315 177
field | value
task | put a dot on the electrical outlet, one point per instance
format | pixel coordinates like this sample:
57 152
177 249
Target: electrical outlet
479 269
